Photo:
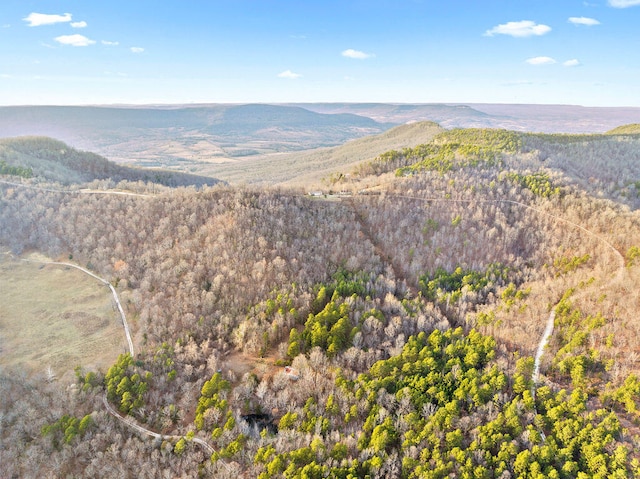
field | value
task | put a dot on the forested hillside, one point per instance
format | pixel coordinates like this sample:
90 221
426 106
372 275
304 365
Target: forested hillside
408 312
53 161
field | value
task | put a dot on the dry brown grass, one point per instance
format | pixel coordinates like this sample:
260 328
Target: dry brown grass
55 316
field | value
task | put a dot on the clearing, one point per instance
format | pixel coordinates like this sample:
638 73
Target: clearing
56 317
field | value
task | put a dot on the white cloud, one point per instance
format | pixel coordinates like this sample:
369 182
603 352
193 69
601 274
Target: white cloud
623 3
525 28
74 40
110 44
136 49
289 74
358 55
584 21
38 19
541 61
572 63
82 24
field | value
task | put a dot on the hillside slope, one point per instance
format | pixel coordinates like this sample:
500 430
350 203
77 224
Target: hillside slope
412 317
53 160
631 129
309 167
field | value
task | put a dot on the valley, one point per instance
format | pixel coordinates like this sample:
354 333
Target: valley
238 142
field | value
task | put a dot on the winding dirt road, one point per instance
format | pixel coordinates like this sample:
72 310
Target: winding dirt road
127 331
548 331
130 422
84 191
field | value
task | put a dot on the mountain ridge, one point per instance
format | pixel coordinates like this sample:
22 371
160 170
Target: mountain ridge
53 160
170 135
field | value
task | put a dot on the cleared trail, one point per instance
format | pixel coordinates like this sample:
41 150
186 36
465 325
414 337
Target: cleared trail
129 421
548 331
85 191
127 331
544 340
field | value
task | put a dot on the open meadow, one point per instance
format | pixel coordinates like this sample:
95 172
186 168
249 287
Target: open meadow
55 317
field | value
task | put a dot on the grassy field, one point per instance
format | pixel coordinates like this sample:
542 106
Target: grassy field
57 317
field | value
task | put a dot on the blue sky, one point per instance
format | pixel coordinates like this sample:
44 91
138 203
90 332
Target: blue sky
240 51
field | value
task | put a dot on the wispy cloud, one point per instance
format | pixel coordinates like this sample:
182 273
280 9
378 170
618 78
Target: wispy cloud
524 28
136 49
74 40
589 22
81 24
289 74
572 63
519 83
110 44
357 54
39 19
623 3
541 61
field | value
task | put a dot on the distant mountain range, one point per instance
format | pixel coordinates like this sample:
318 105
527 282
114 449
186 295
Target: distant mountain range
185 137
173 135
531 118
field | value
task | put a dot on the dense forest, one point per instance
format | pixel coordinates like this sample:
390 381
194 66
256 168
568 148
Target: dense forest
386 331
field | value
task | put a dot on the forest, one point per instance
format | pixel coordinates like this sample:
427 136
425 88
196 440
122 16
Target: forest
388 327
53 160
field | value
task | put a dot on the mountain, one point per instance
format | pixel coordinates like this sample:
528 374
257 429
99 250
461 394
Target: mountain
53 160
532 118
212 137
448 116
180 135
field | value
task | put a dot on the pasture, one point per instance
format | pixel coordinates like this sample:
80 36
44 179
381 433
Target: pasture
55 318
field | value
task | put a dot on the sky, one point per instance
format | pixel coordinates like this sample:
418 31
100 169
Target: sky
69 52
